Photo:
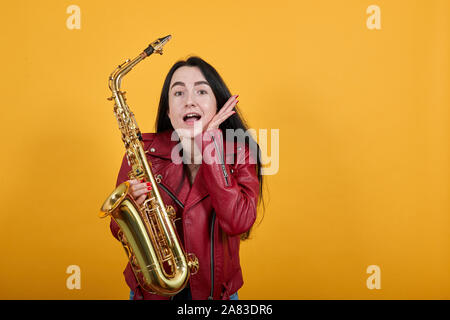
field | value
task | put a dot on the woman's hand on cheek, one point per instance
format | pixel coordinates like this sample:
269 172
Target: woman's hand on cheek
223 114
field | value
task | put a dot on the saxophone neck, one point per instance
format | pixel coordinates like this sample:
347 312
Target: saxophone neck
115 79
117 75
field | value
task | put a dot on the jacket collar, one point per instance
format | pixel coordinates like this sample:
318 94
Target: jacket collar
160 144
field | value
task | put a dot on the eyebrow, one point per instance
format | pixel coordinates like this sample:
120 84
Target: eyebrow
182 83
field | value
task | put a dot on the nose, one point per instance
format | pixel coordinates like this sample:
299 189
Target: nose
190 101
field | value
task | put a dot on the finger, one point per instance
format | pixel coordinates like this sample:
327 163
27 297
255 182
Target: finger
140 200
224 112
140 192
230 102
139 186
133 182
230 106
218 120
224 116
234 99
215 124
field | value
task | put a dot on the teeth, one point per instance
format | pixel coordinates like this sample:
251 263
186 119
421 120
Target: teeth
191 115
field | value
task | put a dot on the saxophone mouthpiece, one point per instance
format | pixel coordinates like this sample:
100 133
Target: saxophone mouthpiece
157 45
165 39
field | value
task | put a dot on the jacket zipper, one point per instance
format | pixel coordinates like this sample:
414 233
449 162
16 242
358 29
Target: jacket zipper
171 195
211 295
224 170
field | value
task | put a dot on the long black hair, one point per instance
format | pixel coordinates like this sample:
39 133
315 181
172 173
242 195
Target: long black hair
222 94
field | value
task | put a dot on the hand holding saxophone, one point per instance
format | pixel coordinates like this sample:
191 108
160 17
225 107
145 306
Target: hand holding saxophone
139 190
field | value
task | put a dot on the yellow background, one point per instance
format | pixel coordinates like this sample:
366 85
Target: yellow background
364 139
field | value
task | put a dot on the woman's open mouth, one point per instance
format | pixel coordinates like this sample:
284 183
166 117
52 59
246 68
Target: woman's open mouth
191 118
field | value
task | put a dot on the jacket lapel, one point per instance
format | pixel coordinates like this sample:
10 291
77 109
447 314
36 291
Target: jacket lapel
198 190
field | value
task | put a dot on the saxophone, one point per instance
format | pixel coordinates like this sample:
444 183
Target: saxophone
147 232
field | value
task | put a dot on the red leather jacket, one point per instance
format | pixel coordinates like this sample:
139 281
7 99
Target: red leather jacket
219 206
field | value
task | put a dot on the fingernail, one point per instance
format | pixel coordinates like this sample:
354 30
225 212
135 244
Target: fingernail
148 183
237 96
149 188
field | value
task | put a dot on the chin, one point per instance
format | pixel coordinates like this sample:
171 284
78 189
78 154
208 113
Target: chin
189 132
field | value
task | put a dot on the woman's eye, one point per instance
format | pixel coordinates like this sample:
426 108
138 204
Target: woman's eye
202 91
177 93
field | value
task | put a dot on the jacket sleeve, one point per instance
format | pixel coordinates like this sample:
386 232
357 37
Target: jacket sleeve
234 194
122 177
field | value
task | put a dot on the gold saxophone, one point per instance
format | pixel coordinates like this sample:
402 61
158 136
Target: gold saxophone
147 232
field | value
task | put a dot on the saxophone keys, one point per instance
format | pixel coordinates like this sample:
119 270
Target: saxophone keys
171 212
192 262
134 261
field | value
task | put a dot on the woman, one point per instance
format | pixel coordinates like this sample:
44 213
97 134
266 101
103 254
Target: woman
214 190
